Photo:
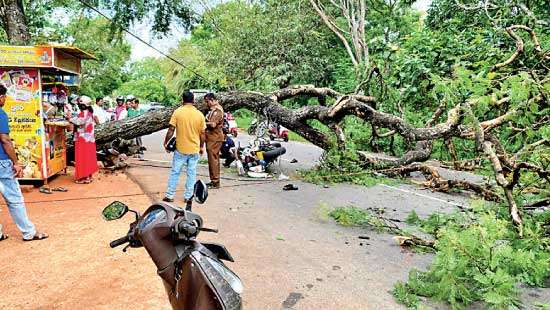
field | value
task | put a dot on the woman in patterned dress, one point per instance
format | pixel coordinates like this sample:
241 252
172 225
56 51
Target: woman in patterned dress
85 148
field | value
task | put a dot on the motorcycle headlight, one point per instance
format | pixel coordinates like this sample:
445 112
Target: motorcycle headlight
228 276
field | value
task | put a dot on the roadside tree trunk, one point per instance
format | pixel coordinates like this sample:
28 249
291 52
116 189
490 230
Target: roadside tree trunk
14 22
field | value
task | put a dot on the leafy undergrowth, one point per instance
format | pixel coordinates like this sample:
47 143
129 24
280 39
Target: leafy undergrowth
344 167
480 258
351 216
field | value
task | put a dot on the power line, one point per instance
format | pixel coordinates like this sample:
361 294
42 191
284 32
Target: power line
128 195
144 42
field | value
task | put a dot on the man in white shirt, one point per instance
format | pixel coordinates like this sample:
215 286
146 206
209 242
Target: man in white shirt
99 112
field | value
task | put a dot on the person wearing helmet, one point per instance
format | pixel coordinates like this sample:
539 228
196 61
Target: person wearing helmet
120 110
68 108
129 101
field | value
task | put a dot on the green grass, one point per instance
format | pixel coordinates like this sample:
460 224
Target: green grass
329 176
243 119
350 216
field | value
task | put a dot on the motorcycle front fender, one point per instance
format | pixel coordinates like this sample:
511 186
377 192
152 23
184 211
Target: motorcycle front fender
201 287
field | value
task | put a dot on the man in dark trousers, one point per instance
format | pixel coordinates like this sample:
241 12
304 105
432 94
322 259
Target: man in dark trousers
214 138
9 187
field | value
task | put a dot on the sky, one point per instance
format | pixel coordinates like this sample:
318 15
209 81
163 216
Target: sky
142 30
140 50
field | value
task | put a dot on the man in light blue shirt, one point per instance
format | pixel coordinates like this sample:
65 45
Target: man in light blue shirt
9 187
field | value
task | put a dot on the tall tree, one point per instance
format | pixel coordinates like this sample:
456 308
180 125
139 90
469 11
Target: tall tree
101 77
146 81
352 35
18 18
14 22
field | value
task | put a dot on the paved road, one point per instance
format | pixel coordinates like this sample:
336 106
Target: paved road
288 253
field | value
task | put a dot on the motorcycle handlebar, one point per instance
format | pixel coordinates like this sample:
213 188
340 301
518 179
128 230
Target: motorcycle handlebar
119 241
187 229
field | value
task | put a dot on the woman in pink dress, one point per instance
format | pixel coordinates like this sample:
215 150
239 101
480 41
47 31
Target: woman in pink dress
85 148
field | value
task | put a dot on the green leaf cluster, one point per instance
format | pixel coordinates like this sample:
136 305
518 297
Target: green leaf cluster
480 258
339 166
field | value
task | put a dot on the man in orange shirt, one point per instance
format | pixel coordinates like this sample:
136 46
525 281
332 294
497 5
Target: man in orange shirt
189 124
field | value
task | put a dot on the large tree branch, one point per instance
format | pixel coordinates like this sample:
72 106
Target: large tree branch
337 31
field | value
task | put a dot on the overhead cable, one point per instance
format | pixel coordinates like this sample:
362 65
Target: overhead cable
144 42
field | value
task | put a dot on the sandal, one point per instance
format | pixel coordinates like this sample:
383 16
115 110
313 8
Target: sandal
82 181
60 189
3 236
45 190
37 236
290 187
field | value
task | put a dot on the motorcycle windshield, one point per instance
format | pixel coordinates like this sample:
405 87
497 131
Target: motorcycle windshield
216 273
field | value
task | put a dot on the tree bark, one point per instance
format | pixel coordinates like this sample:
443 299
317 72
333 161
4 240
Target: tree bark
14 22
363 107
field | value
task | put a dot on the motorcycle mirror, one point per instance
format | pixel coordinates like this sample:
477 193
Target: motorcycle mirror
114 211
200 192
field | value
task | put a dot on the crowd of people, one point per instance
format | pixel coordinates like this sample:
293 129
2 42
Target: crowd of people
84 116
194 131
84 122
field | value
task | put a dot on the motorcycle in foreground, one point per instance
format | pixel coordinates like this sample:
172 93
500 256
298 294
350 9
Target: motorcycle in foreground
192 272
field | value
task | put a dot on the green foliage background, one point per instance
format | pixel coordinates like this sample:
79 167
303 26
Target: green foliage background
443 58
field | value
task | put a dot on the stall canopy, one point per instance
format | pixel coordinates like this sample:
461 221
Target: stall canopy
39 80
55 57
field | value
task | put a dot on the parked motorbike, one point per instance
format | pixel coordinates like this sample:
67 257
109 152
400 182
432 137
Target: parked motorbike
230 124
111 155
277 131
258 128
261 128
192 272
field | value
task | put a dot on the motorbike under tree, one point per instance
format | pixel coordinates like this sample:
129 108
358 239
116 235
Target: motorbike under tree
192 272
258 156
263 126
230 124
113 155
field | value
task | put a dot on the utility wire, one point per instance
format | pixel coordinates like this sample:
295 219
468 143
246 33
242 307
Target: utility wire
144 42
127 195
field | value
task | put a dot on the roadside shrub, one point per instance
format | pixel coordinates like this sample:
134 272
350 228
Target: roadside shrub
480 258
343 167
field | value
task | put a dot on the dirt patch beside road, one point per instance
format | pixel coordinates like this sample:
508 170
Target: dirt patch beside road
75 267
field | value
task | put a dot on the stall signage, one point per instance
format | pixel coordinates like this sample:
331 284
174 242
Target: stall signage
24 114
26 56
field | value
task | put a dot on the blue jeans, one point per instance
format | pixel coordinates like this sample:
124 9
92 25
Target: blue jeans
190 161
9 187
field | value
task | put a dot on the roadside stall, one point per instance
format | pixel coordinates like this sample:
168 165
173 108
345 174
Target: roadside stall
39 80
